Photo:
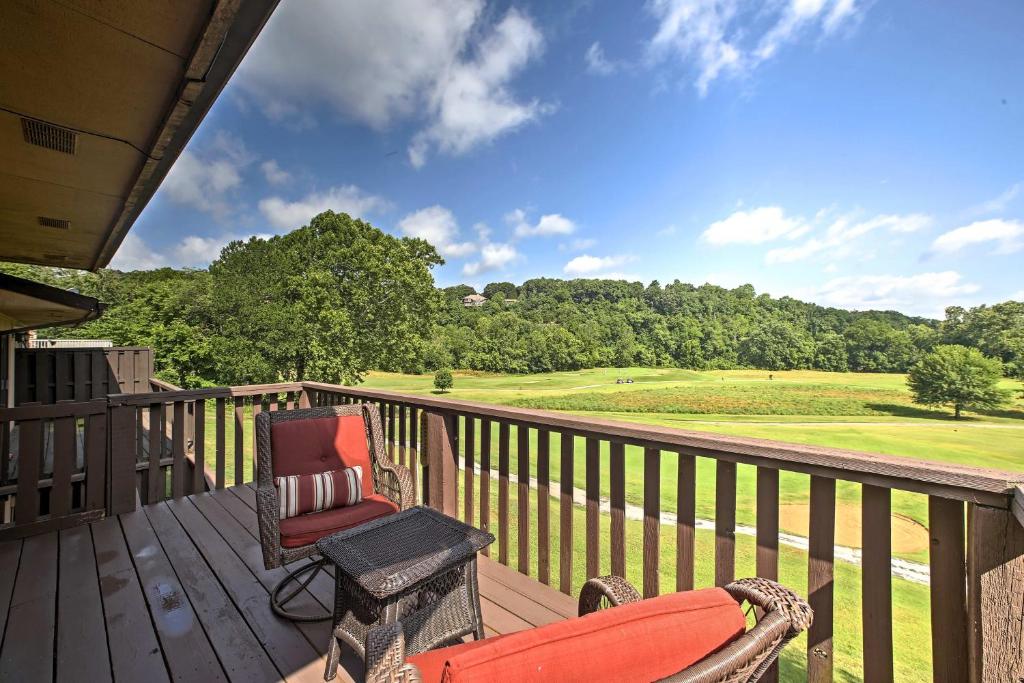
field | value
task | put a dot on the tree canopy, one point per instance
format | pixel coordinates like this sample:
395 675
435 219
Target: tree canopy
957 376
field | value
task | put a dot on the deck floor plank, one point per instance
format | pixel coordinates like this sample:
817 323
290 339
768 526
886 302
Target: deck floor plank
293 655
178 591
81 633
187 650
10 556
27 653
135 652
237 648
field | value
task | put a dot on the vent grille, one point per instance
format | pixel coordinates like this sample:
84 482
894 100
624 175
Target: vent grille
49 136
59 223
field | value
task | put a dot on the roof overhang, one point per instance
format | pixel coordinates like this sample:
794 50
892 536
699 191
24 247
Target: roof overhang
27 305
97 100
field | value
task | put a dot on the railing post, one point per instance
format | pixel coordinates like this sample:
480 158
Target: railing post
440 458
995 594
121 465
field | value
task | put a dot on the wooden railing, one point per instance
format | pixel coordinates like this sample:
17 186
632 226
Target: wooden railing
976 551
53 461
474 461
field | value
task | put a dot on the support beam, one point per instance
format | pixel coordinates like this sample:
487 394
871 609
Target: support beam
442 435
995 594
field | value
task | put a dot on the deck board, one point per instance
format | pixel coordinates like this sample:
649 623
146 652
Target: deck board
178 591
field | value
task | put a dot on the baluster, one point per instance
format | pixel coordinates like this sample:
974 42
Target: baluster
523 497
686 520
593 476
543 502
155 489
485 478
617 483
178 450
239 439
821 545
725 522
220 454
64 449
467 487
30 459
768 537
948 596
503 465
565 510
96 460
199 446
414 450
257 408
876 582
652 521
403 444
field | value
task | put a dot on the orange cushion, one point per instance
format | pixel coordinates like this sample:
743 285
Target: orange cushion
431 663
321 444
306 529
643 641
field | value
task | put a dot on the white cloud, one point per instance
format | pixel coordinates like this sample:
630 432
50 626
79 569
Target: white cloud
135 254
274 174
845 230
205 180
667 231
759 225
286 215
549 224
471 103
921 294
597 63
1017 296
587 264
492 257
578 244
718 37
436 225
997 204
442 63
1009 235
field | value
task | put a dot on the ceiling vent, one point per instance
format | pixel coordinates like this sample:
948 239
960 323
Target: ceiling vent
59 223
49 136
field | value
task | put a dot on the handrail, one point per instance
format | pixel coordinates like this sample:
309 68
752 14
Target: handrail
959 482
203 393
1018 504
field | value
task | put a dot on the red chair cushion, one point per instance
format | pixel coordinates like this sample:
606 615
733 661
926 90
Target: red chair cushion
321 444
307 529
642 641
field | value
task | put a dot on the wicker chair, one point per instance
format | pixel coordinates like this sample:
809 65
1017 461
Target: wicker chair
392 486
782 616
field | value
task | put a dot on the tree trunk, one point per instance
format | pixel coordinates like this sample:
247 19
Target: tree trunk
956 411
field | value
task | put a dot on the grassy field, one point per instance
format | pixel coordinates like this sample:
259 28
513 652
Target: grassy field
857 411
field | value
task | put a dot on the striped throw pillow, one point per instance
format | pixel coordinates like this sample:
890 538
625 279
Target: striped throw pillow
302 494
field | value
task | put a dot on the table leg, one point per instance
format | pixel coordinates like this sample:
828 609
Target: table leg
472 585
333 657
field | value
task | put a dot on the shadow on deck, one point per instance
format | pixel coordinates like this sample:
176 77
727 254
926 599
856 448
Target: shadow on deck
177 590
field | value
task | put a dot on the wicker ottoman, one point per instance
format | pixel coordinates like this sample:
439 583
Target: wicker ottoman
417 566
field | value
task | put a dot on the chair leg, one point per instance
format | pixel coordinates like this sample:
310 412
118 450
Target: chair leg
278 602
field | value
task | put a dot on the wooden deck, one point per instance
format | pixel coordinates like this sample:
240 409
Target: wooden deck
177 591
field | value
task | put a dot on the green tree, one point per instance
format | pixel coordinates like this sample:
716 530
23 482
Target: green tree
830 353
957 376
507 290
443 380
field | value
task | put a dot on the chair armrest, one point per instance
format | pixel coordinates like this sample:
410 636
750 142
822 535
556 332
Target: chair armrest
770 596
268 511
394 482
385 656
606 591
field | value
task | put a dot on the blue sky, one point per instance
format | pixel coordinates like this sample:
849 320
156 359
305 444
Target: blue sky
858 154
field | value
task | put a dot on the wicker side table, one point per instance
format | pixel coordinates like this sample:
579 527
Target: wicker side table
417 566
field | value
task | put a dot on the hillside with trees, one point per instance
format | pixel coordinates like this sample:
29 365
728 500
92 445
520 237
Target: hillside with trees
338 297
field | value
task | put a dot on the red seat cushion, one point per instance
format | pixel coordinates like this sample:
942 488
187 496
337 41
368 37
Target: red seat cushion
321 444
642 641
306 529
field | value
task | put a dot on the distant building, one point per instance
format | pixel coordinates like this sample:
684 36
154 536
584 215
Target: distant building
474 300
69 343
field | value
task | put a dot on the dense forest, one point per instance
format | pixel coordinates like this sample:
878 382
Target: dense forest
337 298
